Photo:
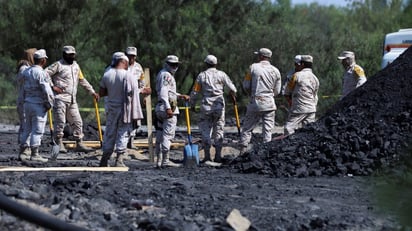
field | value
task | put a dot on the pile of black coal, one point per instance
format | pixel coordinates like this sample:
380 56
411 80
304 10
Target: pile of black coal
365 131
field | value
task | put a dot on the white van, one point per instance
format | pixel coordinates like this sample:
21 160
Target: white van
395 44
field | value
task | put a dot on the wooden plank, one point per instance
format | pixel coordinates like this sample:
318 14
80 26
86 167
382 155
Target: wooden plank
149 115
143 143
63 169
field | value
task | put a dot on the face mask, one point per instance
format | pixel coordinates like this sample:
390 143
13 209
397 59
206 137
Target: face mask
69 59
172 69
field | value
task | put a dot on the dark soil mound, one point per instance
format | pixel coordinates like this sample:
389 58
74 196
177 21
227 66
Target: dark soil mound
363 132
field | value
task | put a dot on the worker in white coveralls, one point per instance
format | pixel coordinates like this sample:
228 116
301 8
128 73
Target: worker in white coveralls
24 63
210 83
122 108
137 71
66 75
354 75
297 67
166 110
38 99
262 83
302 89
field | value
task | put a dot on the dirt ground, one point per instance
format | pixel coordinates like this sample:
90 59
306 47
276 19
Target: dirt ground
145 198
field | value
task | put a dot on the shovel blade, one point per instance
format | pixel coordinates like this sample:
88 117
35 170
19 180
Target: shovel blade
190 155
55 151
195 152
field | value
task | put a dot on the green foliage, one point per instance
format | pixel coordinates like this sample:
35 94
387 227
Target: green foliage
231 30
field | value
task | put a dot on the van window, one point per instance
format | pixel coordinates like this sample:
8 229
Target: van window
395 44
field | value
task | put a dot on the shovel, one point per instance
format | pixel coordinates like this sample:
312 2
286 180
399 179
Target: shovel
191 151
236 113
55 146
99 127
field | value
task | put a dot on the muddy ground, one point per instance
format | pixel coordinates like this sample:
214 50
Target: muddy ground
145 198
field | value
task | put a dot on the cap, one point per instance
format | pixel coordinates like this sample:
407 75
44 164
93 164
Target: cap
307 58
346 54
118 55
298 59
211 59
172 59
131 51
264 52
40 54
69 50
124 57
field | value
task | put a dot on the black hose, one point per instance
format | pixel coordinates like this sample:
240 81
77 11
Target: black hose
34 216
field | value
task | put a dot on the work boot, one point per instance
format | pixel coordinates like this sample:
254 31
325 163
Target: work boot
80 147
24 153
104 161
119 160
159 160
207 155
62 149
218 155
35 156
167 163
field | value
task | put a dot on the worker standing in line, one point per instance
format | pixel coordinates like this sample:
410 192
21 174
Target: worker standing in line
302 89
210 83
354 75
122 108
38 99
26 61
66 75
262 83
137 71
166 110
297 67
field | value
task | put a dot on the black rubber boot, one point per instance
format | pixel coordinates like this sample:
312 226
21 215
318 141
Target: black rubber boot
207 155
218 155
104 162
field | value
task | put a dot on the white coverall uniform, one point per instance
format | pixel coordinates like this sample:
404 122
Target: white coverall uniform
303 89
67 77
263 84
353 77
210 84
167 98
38 98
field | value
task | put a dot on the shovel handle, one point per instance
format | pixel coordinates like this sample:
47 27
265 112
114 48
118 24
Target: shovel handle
99 127
187 117
236 113
237 119
49 114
